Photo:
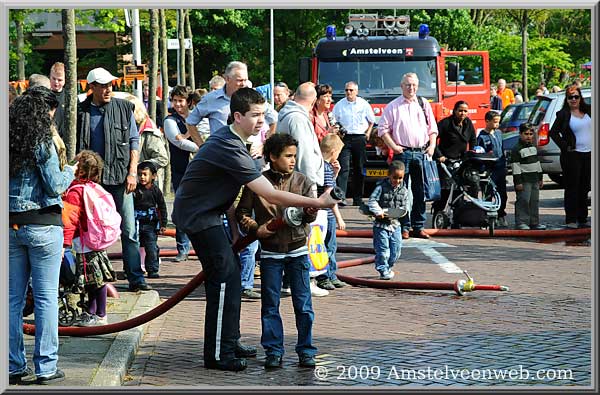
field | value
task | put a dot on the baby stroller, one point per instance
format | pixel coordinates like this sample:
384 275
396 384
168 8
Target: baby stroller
473 199
70 303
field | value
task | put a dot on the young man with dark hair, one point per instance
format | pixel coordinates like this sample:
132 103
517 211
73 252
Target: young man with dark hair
206 192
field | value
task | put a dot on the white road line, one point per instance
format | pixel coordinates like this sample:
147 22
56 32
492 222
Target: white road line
440 260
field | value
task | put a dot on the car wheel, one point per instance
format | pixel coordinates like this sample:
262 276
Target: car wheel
557 178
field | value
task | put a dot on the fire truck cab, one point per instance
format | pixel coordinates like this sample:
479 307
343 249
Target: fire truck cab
376 52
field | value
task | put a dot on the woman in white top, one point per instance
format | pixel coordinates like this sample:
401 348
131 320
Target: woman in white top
572 132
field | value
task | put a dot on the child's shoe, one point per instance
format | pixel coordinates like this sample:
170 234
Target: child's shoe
522 227
316 291
537 227
387 275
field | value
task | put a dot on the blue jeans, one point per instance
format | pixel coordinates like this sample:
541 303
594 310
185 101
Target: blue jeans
387 246
331 245
248 263
34 251
271 272
182 240
413 162
149 240
132 263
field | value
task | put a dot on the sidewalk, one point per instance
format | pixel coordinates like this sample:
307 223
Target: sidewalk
102 361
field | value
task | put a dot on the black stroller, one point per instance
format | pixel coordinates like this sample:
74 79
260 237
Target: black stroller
473 199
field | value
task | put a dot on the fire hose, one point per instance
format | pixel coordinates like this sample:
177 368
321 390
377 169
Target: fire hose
292 216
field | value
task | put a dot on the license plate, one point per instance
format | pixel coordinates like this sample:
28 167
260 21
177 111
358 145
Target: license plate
377 172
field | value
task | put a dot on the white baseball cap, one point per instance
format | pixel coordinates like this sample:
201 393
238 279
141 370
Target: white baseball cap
101 76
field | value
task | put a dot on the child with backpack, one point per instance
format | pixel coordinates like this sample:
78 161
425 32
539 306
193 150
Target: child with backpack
91 224
150 215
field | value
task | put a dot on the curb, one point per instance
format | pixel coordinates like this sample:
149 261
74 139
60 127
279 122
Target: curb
113 368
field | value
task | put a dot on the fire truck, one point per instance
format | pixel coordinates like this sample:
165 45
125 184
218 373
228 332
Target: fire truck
376 52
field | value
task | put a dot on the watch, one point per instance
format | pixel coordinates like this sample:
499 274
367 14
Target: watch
132 174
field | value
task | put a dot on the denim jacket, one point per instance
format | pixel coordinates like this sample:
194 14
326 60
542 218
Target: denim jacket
40 186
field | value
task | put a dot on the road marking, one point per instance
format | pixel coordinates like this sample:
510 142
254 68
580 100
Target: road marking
440 260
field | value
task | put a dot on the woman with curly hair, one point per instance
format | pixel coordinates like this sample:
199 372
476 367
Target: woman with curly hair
36 183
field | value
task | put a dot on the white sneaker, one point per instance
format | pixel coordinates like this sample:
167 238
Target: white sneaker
522 227
387 275
316 291
92 320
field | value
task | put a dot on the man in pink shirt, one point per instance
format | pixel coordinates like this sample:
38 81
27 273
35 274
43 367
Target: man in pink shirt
410 131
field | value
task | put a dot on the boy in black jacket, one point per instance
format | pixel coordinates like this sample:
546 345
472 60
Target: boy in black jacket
150 214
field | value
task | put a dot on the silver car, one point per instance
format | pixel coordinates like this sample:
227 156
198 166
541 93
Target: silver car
542 117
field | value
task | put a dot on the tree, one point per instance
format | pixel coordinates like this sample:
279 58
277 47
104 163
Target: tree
190 52
70 88
164 69
181 36
152 82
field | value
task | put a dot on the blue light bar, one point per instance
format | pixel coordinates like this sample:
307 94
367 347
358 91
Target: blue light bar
423 31
330 32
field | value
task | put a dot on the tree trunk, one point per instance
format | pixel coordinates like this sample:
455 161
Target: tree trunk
152 81
181 36
524 24
165 84
20 46
70 59
190 68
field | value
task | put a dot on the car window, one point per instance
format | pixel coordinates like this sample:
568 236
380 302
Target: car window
507 115
539 111
524 112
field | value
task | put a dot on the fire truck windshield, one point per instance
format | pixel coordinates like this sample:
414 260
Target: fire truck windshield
378 79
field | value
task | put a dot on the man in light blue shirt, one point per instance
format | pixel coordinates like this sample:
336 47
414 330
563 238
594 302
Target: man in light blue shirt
215 104
356 116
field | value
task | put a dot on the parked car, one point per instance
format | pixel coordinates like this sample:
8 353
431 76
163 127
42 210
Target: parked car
542 117
511 118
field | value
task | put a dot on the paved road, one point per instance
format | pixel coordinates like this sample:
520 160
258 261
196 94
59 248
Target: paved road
537 334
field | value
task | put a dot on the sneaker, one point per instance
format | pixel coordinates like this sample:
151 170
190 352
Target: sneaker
153 275
537 227
140 287
286 292
502 222
92 320
338 283
250 294
18 378
316 291
306 361
325 284
58 376
388 275
181 257
571 225
522 227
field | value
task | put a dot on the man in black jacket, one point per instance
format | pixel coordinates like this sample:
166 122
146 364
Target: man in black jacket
107 126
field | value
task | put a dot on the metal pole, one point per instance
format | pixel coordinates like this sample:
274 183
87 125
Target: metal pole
137 51
178 55
272 60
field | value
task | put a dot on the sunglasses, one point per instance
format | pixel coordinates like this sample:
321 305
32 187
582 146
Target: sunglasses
573 97
349 90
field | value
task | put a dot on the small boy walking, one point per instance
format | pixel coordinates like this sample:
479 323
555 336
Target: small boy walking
490 139
387 232
527 176
331 146
285 249
150 214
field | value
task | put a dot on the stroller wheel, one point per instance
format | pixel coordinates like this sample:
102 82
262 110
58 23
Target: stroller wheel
66 314
440 220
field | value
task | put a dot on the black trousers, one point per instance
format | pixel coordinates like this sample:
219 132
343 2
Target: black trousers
577 176
223 292
354 151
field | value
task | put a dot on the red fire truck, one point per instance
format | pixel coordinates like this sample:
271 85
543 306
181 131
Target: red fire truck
376 52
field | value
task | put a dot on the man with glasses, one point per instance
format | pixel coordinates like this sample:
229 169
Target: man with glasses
356 116
281 94
106 125
409 129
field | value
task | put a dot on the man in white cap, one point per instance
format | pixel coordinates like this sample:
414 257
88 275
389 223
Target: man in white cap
107 126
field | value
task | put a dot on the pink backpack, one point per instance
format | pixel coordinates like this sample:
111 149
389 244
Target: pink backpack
103 220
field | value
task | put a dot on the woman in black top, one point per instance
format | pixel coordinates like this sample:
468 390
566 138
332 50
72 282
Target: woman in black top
456 135
572 132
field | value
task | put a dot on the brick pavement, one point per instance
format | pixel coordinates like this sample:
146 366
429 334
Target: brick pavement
542 323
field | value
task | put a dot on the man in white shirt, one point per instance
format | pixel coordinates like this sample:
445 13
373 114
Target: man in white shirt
357 118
